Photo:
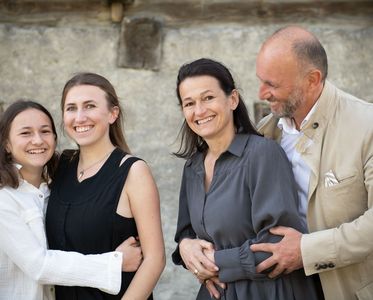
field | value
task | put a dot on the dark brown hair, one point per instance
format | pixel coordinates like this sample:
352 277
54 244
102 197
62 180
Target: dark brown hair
190 141
8 172
116 132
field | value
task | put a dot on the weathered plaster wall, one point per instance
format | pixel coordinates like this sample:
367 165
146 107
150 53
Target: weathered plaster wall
36 59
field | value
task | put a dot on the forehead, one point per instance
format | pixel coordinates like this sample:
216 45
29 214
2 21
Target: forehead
31 117
85 93
276 64
197 85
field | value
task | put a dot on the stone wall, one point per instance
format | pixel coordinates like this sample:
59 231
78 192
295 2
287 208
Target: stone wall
41 47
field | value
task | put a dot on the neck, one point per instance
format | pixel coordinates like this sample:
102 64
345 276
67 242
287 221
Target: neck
32 176
89 155
93 152
219 145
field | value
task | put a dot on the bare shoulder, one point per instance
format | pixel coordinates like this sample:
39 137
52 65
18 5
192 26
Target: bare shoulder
137 167
139 173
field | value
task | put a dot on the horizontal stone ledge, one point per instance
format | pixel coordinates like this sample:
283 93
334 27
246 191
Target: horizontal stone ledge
180 12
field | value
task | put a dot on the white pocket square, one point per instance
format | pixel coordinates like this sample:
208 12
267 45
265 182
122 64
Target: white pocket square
330 179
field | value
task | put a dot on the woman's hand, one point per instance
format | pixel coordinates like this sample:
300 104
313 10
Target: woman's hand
192 253
132 255
211 286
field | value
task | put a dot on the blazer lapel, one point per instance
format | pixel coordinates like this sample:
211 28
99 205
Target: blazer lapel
311 144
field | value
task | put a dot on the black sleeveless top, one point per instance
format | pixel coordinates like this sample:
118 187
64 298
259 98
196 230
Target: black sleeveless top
81 217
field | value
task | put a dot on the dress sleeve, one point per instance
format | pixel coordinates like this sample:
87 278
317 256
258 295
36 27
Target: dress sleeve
24 248
274 203
184 227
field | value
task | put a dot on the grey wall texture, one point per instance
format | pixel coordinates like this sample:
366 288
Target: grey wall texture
37 58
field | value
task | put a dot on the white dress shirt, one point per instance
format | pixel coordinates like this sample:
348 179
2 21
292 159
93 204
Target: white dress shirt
302 172
27 267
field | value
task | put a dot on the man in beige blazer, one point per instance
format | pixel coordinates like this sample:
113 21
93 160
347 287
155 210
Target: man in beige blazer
328 137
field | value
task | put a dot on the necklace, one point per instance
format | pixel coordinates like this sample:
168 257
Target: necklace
81 173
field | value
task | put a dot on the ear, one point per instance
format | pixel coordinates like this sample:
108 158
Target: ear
7 148
114 113
314 79
234 99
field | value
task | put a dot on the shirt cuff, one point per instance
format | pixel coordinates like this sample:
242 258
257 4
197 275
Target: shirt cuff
115 271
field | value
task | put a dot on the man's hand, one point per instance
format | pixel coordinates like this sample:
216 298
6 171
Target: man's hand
286 254
192 253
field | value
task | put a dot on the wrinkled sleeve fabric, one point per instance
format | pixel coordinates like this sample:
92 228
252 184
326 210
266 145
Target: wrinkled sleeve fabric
274 203
184 227
25 250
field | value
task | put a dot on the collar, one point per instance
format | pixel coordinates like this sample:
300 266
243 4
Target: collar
238 144
29 188
236 148
326 105
18 166
288 124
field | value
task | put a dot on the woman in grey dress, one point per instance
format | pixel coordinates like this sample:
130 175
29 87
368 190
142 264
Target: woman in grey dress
236 185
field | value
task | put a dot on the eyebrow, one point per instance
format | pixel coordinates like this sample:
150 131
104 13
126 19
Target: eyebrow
30 127
266 81
201 94
84 102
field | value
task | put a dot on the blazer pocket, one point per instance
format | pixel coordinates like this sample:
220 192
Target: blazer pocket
345 201
365 293
342 181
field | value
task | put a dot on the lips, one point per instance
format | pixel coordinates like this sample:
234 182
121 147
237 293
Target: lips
36 151
81 129
205 120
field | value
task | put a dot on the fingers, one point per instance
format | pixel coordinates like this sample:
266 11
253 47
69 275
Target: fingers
216 281
206 245
276 272
202 273
265 247
132 255
131 241
280 230
266 264
191 251
207 264
213 291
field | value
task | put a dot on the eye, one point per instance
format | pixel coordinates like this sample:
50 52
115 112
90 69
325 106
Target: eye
46 131
90 106
207 98
70 108
271 85
25 133
187 103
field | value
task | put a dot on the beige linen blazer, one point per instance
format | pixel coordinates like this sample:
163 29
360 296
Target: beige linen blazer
337 142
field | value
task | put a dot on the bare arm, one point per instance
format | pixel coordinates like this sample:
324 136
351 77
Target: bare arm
140 199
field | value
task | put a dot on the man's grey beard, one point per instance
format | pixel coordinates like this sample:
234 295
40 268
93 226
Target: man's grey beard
289 107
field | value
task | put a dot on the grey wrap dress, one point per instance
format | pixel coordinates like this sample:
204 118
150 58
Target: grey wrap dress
252 190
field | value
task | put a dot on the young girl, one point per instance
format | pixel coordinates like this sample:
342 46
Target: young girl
101 195
27 162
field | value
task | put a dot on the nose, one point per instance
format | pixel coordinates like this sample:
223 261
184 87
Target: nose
37 139
264 92
80 116
199 109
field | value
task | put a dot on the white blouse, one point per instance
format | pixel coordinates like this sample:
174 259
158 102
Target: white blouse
27 267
